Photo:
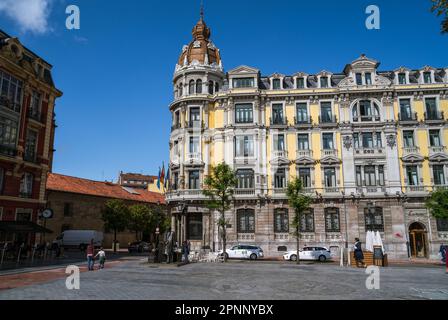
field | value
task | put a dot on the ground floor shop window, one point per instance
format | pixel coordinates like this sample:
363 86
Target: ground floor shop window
194 222
442 225
246 221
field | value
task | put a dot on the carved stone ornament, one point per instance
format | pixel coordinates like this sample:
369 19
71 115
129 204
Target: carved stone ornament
391 141
348 142
197 44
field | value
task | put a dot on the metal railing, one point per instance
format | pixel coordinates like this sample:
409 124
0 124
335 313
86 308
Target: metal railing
434 116
404 117
307 121
370 118
8 151
280 121
7 103
328 119
175 127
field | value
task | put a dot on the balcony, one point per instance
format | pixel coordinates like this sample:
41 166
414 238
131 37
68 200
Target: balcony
411 150
195 124
405 118
8 151
369 152
278 122
175 127
279 191
303 122
437 149
370 118
194 157
244 192
30 157
328 121
180 195
329 153
304 153
415 189
35 115
434 117
280 154
7 103
335 190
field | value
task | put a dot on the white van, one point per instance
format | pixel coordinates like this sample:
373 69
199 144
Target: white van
79 238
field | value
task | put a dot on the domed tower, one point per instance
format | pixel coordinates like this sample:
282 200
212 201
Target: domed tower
198 79
199 68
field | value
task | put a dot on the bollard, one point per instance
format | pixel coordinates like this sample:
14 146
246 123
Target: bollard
3 253
20 252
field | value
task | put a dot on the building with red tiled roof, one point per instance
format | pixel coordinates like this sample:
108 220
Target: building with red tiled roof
78 204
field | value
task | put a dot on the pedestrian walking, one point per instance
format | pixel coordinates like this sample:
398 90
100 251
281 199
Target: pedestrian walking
102 258
90 255
186 251
442 252
359 255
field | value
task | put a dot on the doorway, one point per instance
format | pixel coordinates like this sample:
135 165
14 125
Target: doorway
418 241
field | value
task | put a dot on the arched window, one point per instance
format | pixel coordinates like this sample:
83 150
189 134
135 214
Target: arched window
210 87
199 86
246 220
191 87
26 185
216 87
181 89
365 111
374 219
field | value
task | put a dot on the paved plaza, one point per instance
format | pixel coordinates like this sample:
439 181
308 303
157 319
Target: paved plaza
237 280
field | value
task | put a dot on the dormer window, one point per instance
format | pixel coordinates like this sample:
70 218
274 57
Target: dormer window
276 84
402 78
359 79
366 110
300 83
324 82
368 77
243 83
427 77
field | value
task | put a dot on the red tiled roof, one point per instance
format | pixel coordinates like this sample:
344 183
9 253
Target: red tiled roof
58 182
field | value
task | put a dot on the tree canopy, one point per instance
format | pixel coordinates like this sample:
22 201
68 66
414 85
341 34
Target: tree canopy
440 7
437 203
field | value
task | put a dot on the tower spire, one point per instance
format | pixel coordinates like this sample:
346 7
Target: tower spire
202 10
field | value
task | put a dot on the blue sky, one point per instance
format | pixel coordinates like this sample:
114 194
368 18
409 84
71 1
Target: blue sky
116 70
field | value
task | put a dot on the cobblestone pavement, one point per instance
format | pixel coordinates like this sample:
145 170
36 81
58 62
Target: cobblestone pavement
240 280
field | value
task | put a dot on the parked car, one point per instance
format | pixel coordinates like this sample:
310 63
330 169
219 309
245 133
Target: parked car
321 254
243 252
79 239
138 246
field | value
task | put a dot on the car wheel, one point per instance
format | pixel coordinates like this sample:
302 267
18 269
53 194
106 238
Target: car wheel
253 256
322 258
293 257
225 255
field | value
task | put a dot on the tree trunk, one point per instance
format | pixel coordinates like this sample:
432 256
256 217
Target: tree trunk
224 236
298 245
115 240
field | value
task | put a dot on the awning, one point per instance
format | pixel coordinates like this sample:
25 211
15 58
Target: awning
22 227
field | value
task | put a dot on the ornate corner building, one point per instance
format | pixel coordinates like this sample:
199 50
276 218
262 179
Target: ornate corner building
369 146
27 127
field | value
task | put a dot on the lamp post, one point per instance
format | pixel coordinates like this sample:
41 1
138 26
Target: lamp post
346 231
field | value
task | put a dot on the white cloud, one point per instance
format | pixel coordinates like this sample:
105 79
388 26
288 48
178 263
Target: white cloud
30 15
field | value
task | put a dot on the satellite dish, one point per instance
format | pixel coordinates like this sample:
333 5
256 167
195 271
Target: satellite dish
47 213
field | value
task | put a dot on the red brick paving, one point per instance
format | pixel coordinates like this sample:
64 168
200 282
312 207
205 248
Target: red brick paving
31 278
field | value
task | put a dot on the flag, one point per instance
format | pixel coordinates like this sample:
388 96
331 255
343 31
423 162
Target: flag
158 180
167 179
162 175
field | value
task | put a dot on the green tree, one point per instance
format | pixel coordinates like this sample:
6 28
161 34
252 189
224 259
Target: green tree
219 187
116 217
440 7
437 203
300 203
140 218
159 219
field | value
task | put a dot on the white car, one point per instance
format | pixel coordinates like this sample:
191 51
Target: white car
244 252
309 253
